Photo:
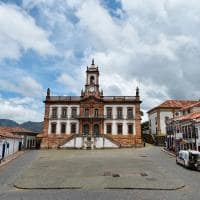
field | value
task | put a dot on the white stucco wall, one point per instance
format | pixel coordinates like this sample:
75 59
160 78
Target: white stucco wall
198 140
59 109
114 121
13 146
68 121
163 114
68 126
104 143
152 121
73 143
196 109
80 142
123 121
153 118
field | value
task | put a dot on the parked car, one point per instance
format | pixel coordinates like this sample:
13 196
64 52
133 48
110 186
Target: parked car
189 159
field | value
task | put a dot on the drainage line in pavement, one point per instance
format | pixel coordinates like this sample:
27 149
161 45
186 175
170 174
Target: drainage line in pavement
45 188
107 188
131 188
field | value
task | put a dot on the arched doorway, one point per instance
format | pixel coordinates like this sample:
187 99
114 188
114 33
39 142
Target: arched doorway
96 130
91 80
86 129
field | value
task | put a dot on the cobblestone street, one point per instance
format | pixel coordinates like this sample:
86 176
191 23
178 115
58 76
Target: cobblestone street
146 173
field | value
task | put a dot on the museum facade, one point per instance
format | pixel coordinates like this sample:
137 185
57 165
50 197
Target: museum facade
91 120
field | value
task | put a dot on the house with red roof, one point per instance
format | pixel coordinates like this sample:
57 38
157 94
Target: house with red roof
167 109
10 142
183 131
13 139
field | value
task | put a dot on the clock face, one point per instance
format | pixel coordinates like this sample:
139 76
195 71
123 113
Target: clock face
91 89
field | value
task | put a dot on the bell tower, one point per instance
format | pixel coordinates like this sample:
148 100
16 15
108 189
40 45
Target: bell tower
92 81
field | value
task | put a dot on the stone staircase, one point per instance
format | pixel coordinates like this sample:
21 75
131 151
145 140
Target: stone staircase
55 141
60 141
125 140
112 140
66 140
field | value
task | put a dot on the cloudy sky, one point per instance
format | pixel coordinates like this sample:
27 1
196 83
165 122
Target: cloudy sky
153 44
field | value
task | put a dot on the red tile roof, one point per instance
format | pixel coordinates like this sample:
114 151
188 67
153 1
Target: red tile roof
12 131
41 135
196 104
174 104
190 116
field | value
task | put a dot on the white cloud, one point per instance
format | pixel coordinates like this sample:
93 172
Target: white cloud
70 83
17 81
19 32
153 44
19 109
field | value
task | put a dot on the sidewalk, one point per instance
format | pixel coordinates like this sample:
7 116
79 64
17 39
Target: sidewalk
10 158
171 153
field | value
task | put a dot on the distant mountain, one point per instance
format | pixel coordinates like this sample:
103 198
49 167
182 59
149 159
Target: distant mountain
8 122
32 126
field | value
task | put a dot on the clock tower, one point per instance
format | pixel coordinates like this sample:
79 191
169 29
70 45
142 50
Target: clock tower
92 82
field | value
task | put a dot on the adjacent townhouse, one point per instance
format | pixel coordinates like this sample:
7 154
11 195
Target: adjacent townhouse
183 132
159 114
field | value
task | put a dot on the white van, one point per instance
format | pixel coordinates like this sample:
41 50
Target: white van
189 159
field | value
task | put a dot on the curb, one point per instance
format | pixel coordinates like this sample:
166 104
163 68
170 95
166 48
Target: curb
106 188
169 153
45 188
141 188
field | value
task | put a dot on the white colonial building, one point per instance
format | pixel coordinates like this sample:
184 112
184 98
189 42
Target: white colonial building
102 121
159 114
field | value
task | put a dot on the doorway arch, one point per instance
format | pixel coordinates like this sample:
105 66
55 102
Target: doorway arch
86 129
96 130
91 80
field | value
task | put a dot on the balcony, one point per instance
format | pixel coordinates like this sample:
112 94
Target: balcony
63 117
91 116
54 117
108 116
130 117
74 116
119 117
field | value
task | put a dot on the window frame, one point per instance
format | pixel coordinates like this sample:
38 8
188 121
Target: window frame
73 112
109 111
130 124
109 132
54 115
118 132
71 128
96 112
61 126
86 112
119 112
53 124
62 113
130 116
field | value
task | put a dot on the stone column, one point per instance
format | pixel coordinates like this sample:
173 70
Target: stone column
46 119
138 123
